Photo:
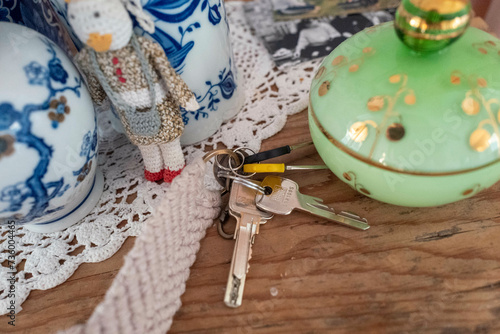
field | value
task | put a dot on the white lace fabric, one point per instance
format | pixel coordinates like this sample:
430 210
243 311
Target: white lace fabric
44 261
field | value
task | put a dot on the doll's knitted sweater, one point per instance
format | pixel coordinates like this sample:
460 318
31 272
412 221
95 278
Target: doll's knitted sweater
123 72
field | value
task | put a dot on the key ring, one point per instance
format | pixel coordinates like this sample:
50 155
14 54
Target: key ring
216 153
231 169
224 215
221 221
245 182
234 170
219 164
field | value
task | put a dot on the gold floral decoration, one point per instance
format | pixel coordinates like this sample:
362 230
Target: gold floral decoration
340 62
320 72
354 64
59 109
324 88
472 191
351 179
6 146
359 130
487 47
85 171
378 28
472 105
394 130
376 103
56 117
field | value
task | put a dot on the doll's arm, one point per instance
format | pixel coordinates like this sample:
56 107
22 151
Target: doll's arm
177 87
95 89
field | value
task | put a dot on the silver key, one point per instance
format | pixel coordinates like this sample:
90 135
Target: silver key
249 218
284 197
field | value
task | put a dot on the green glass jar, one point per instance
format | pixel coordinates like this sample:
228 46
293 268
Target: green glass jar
414 123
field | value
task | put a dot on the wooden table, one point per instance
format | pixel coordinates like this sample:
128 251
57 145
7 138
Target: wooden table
434 270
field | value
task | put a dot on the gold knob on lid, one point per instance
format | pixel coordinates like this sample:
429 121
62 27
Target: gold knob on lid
431 25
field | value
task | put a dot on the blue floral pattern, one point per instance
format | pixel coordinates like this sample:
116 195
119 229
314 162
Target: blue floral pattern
10 11
177 48
15 194
178 43
60 7
5 14
213 13
36 73
7 115
225 87
56 71
40 16
18 124
88 150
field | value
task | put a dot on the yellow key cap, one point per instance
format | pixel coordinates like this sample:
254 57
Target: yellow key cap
264 168
277 168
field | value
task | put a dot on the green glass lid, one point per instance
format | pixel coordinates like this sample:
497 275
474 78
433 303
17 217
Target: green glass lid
421 111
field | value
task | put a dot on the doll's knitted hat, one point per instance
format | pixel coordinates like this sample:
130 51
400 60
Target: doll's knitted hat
135 8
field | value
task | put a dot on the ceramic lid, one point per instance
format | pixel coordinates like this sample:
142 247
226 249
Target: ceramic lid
395 108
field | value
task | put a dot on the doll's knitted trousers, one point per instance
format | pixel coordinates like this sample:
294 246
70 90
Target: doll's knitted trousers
145 294
162 156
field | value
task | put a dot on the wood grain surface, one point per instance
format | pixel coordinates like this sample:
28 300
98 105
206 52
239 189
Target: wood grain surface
431 270
434 270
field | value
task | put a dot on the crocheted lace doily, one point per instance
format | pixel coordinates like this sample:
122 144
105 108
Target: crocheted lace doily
44 261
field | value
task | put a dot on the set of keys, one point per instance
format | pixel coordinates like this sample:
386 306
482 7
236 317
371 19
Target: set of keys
253 203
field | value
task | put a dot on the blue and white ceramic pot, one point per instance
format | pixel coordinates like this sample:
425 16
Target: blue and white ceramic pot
195 37
41 16
48 136
60 8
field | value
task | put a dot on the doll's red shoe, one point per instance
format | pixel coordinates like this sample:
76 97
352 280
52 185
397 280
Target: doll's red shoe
153 177
169 175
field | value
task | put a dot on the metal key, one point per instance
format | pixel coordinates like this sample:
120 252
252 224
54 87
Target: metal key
284 197
249 217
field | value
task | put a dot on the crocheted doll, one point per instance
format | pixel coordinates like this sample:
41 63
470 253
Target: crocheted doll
137 77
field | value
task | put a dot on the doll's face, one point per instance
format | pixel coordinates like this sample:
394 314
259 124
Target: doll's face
101 24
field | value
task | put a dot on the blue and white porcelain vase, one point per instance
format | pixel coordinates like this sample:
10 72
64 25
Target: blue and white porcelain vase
60 7
41 16
48 135
195 37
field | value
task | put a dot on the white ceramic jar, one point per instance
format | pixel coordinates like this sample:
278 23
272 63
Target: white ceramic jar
48 135
195 37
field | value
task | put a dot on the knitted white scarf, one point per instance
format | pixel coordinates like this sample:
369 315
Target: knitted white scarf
146 293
